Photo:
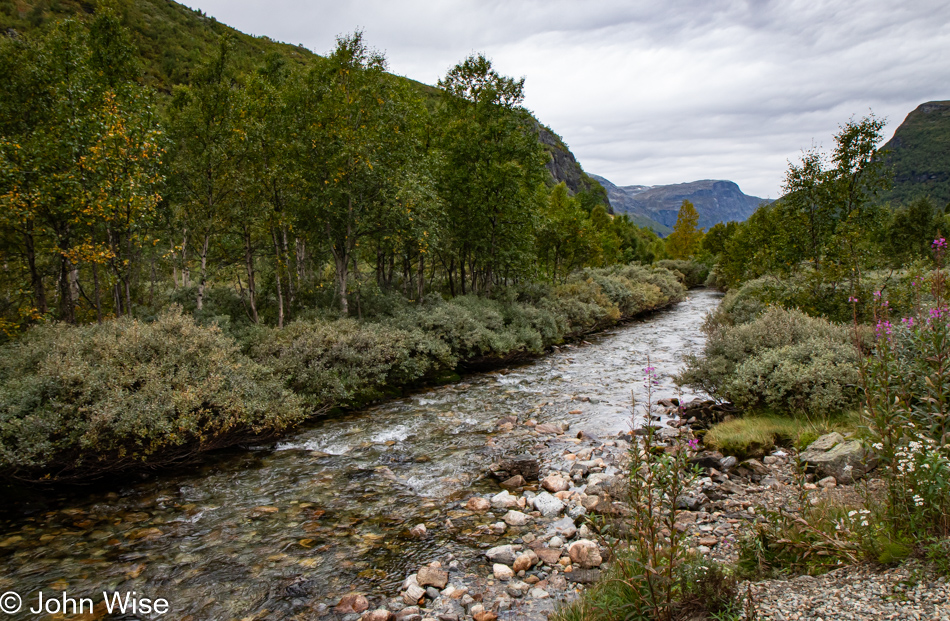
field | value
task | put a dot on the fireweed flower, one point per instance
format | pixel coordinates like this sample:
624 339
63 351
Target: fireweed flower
853 300
939 243
693 444
883 327
908 321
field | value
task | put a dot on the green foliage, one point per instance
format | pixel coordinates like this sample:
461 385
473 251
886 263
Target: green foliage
789 544
686 239
80 402
758 435
782 360
919 156
652 576
693 273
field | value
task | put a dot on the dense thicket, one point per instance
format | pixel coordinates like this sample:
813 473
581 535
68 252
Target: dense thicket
261 193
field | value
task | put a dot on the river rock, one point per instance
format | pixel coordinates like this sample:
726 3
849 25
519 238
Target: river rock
846 461
688 503
525 465
707 459
583 576
576 511
515 518
501 554
504 500
410 613
352 603
525 561
380 614
548 556
478 504
413 594
548 505
514 482
563 528
585 553
728 463
502 572
555 483
485 615
432 576
418 531
556 542
825 442
548 429
517 588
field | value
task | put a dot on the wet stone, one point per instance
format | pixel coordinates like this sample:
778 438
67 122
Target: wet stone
434 577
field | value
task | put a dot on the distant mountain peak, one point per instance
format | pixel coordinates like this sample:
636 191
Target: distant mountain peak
716 200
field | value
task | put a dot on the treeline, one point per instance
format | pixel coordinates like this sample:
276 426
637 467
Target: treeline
831 237
261 194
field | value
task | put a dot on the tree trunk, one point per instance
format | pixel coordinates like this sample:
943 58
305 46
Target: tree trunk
185 272
249 264
421 282
204 271
36 281
280 294
95 284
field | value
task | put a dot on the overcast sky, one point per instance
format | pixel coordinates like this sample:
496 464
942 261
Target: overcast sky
664 91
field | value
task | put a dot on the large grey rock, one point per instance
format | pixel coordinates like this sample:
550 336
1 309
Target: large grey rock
503 500
501 554
826 442
846 461
548 505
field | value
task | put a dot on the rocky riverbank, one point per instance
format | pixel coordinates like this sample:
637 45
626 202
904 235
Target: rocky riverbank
539 550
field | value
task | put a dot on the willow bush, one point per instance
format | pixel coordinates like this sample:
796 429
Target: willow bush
79 402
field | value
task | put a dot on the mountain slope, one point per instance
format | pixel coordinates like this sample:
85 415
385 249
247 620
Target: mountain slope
715 201
173 39
920 155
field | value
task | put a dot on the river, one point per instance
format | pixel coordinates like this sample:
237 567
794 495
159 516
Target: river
266 532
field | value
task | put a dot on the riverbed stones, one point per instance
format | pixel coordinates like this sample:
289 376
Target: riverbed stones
380 614
418 531
478 504
525 561
548 505
833 456
516 518
585 553
432 576
503 500
352 603
502 572
514 482
555 483
413 594
563 528
707 459
548 429
548 556
501 554
525 465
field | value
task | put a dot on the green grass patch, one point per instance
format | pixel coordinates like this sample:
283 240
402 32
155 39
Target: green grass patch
758 435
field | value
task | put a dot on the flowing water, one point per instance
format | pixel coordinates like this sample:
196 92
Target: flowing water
265 533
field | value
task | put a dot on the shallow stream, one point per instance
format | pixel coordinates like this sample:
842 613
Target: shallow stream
267 532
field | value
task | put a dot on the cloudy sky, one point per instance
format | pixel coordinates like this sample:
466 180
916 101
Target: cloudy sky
664 91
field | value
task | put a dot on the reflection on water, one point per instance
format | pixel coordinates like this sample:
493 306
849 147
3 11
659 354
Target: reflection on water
268 532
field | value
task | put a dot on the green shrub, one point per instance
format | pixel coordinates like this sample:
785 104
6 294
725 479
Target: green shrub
783 360
690 273
345 362
77 402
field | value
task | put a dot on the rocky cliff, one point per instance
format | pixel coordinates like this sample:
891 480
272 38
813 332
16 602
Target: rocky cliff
715 201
